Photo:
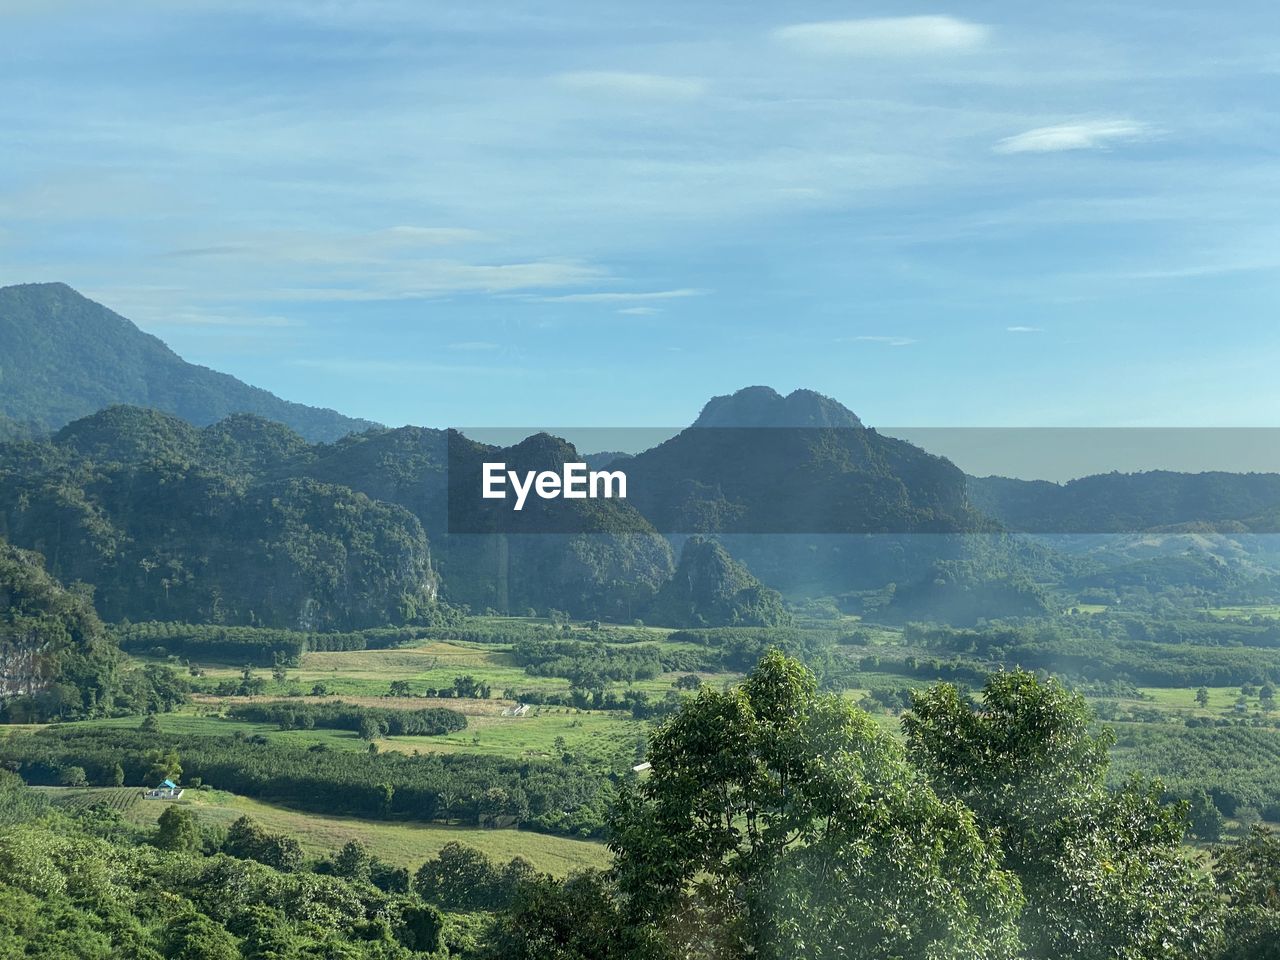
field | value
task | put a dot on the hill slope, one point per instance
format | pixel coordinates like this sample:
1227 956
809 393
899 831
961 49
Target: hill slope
63 356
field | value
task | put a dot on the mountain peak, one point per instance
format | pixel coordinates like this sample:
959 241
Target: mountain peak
761 406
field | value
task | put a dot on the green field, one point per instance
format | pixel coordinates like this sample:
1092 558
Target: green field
1270 611
402 844
591 733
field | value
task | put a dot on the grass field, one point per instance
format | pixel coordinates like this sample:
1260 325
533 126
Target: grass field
593 733
1270 611
432 665
403 844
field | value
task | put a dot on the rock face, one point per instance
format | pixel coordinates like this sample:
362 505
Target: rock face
63 356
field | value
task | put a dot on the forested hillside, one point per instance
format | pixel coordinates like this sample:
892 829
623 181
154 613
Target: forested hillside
56 658
171 523
63 356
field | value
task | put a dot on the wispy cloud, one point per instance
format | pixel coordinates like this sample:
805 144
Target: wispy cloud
1085 135
646 85
625 297
887 341
639 311
1021 329
885 36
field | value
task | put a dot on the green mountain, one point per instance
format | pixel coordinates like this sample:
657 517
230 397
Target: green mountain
758 462
169 522
710 588
56 659
1133 502
63 356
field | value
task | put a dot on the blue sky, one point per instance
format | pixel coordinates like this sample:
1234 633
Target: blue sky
504 213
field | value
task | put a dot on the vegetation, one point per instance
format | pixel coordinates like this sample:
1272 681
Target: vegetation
66 357
428 722
56 659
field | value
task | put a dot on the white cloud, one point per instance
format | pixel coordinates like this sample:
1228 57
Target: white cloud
885 36
1086 135
889 341
639 311
621 297
645 85
1020 329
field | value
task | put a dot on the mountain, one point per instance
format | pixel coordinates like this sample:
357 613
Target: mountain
765 407
1134 502
758 462
63 356
170 522
244 522
710 588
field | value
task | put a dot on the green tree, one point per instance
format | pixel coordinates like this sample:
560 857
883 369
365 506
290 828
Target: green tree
780 823
420 928
117 776
73 777
177 831
458 877
193 936
353 862
164 765
1204 819
1248 874
579 918
1101 870
1202 697
399 688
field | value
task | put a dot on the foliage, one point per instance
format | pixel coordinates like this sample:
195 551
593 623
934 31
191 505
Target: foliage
711 589
56 659
551 796
429 721
1101 870
780 823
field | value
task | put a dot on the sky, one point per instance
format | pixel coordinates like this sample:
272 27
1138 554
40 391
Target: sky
494 213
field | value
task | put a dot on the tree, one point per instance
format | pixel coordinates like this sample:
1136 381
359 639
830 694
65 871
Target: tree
420 928
1248 875
1267 697
177 831
690 681
72 777
369 728
1204 820
578 918
1101 870
459 877
399 688
780 823
164 765
117 776
1202 697
194 936
353 862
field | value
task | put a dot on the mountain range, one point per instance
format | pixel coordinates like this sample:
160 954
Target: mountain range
206 499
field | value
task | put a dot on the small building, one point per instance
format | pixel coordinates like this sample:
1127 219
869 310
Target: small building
519 710
168 790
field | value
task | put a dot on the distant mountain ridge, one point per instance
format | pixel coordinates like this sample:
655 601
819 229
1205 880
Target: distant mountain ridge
63 356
